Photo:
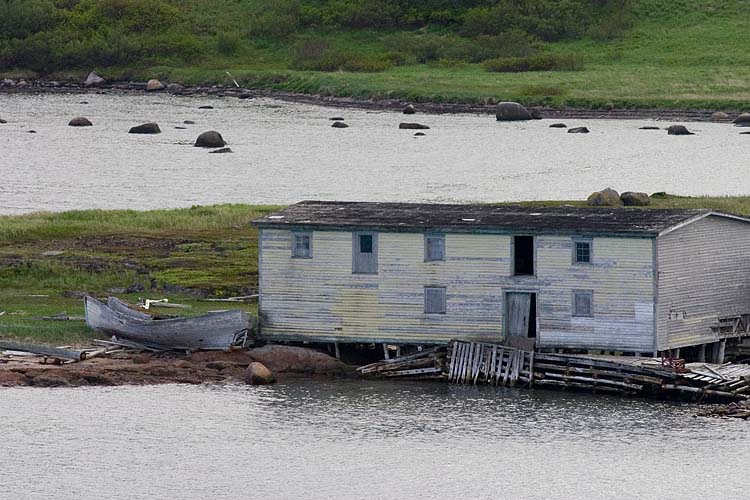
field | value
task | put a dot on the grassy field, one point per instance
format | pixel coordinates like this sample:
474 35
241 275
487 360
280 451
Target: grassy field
181 254
680 54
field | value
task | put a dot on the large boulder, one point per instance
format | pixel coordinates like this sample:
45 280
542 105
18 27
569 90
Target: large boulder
281 358
409 109
678 130
154 84
258 374
93 80
604 198
80 121
743 120
512 112
412 126
210 139
719 116
146 128
635 199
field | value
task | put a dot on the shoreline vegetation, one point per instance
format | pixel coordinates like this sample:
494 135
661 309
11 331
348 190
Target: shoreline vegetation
49 261
582 54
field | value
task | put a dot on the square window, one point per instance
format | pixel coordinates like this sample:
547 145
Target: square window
434 247
581 252
434 299
365 243
583 303
302 245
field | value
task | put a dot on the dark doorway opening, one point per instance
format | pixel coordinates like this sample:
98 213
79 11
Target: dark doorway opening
523 255
532 317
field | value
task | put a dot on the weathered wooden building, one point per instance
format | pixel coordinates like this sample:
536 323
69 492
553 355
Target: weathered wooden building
630 280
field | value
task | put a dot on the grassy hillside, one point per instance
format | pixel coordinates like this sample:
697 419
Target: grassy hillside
49 260
587 53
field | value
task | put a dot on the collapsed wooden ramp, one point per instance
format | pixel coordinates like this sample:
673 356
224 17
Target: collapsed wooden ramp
465 362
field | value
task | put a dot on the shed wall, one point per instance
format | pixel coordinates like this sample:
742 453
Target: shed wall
704 275
321 299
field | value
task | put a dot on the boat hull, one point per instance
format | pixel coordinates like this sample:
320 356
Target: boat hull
213 331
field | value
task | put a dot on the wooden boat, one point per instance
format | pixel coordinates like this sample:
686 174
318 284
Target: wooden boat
212 331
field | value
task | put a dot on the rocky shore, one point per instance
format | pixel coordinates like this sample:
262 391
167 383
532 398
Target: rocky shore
46 86
207 367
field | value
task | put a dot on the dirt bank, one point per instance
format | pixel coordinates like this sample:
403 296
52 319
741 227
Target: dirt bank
43 86
149 369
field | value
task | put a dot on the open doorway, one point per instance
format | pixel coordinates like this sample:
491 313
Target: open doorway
520 314
523 255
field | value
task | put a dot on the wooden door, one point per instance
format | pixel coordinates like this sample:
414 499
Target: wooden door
518 311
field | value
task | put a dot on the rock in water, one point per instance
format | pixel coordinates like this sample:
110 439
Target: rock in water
80 121
536 114
635 199
558 125
678 130
205 107
412 126
419 134
210 139
146 128
3 121
578 130
153 85
339 125
409 109
222 150
719 116
648 127
743 120
337 119
604 198
93 80
257 374
189 122
175 88
511 112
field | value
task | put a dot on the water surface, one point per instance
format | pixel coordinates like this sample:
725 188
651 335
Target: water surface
287 152
360 440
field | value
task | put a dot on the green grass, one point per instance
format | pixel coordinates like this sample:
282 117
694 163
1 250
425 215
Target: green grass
681 54
180 253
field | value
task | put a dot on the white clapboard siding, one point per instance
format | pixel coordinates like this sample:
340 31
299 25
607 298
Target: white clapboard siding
704 275
321 299
621 278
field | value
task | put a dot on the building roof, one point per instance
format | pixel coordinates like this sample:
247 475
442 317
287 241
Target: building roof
481 217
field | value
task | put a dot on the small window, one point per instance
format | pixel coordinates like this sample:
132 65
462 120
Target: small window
302 245
581 251
434 299
583 303
365 253
434 247
523 255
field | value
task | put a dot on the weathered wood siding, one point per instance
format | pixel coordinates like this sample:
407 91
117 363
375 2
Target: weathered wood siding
321 299
622 280
704 275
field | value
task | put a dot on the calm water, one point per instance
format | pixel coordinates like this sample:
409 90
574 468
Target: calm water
288 152
356 440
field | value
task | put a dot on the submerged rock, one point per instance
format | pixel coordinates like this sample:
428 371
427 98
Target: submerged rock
80 121
31 132
339 125
635 199
210 139
258 374
558 125
419 134
154 84
146 128
3 121
205 107
649 127
222 150
181 128
511 112
678 130
605 198
93 80
412 126
578 130
189 122
337 119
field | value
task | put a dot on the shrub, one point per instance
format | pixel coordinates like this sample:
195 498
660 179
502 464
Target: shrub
130 15
539 62
315 55
21 18
276 19
228 43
